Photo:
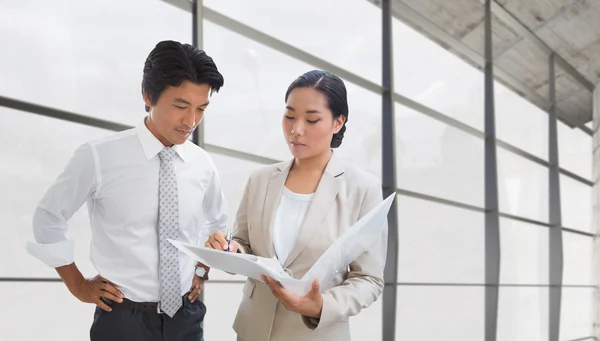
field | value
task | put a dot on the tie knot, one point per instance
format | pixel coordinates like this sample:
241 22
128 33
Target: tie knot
167 154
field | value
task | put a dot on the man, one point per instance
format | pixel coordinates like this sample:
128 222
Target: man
142 186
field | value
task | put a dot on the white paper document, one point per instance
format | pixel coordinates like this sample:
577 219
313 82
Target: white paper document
355 241
245 265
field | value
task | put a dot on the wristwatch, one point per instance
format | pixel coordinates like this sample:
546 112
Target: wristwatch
201 272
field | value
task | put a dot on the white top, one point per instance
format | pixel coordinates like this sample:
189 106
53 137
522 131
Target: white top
118 179
288 221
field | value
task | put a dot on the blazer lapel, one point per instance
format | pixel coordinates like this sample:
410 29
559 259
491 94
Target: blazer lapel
274 191
324 197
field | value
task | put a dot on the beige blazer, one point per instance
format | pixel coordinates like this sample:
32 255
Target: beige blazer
344 194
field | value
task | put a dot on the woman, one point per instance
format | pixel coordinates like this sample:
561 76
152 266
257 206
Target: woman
295 210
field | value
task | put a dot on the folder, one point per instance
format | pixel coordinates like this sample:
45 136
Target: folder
357 239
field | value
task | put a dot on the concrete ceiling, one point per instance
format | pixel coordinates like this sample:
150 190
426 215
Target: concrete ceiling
525 33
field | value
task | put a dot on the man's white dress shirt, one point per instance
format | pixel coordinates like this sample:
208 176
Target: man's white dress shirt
117 177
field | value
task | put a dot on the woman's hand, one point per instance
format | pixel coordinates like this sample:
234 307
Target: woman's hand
309 305
217 241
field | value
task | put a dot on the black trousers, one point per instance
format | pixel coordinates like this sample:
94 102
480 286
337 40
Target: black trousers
131 325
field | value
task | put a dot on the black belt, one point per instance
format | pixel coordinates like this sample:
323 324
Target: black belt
146 307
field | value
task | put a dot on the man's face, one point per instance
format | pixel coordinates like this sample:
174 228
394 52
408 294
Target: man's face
177 112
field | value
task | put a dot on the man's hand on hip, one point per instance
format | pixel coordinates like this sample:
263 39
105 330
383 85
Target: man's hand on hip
197 284
91 290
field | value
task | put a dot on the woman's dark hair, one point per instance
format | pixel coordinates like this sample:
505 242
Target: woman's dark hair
171 63
334 90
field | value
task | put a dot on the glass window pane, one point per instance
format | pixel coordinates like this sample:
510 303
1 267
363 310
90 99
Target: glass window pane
246 114
578 256
436 159
440 313
222 302
523 314
520 123
431 75
32 159
575 151
576 204
522 186
345 43
577 313
43 311
439 243
73 60
524 253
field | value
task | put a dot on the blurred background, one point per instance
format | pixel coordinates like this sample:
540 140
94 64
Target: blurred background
493 232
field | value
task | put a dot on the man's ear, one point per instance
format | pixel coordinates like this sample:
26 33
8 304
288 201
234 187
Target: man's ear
146 99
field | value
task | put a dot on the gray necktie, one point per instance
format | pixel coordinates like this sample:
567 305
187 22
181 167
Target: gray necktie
168 227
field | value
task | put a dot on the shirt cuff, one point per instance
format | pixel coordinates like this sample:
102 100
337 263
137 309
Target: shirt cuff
55 254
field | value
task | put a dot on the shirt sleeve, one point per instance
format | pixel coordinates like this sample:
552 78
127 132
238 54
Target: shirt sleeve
68 193
214 205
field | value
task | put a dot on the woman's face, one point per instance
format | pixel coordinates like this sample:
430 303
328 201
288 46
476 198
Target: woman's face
308 124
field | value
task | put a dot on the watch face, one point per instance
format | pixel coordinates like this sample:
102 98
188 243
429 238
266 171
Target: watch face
200 271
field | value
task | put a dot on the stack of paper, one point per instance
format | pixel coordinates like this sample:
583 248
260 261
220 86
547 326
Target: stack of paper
355 241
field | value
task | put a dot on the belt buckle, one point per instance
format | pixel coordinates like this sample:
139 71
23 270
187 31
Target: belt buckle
158 311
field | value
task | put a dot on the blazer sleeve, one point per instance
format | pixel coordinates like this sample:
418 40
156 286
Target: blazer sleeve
240 229
364 283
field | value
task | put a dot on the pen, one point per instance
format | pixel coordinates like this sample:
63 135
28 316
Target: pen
228 237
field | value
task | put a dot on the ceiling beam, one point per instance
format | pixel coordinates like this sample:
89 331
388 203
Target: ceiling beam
538 27
524 32
408 15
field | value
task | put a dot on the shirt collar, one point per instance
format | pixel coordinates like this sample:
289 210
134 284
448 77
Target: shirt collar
152 146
